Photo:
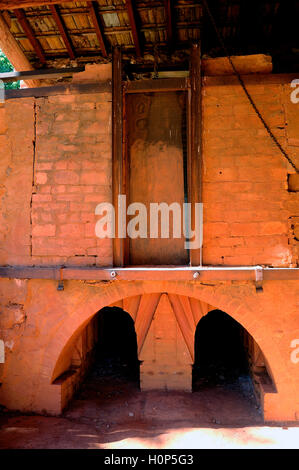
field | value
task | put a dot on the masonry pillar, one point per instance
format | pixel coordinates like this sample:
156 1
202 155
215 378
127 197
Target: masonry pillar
167 364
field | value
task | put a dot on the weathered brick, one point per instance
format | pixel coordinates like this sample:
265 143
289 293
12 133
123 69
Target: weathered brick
66 177
71 230
48 230
41 178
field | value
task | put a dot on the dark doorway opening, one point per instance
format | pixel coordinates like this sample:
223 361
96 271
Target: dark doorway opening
116 349
220 354
113 368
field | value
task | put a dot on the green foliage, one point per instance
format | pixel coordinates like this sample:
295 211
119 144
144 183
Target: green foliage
5 66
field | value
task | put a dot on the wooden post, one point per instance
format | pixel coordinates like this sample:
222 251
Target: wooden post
117 154
14 53
195 160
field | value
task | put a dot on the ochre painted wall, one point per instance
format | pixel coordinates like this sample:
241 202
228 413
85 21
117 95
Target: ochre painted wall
55 167
40 324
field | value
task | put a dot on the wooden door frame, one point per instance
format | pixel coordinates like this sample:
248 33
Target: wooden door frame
120 89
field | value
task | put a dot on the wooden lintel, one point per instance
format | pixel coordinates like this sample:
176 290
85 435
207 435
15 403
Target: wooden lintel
14 53
67 89
133 23
92 7
20 14
195 143
41 74
117 147
158 84
179 273
63 31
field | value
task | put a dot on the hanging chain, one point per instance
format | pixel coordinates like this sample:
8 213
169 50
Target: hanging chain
241 81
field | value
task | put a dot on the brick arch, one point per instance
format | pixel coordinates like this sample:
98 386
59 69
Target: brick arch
96 298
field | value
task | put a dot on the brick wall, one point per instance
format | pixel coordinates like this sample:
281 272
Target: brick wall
247 206
72 176
55 167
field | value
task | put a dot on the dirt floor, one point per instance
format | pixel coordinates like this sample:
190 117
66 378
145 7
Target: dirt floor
111 413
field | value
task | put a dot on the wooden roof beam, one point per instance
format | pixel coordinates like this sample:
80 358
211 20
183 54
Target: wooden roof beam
20 14
133 23
14 53
63 31
169 22
16 4
41 74
92 6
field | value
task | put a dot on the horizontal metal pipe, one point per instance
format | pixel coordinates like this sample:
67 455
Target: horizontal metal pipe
207 273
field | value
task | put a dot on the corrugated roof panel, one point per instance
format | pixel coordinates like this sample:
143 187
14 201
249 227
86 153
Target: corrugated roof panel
81 41
124 18
26 45
42 24
82 21
111 19
51 43
69 21
15 27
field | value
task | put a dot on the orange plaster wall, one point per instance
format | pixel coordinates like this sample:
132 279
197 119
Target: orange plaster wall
55 167
37 342
248 211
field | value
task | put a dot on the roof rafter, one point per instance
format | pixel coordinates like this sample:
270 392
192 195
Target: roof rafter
135 33
63 31
12 50
97 25
16 4
169 22
20 14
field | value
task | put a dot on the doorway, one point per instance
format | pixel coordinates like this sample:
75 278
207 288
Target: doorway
112 370
220 355
157 171
116 348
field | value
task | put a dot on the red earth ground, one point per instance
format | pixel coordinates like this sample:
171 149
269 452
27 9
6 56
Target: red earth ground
116 415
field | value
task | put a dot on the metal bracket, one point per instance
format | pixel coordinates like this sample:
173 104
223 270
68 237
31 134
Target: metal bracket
259 277
60 282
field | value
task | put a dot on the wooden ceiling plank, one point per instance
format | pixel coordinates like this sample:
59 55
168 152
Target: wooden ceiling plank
135 34
20 14
98 27
14 53
63 31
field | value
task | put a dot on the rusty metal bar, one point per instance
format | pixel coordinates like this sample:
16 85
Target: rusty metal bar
179 273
